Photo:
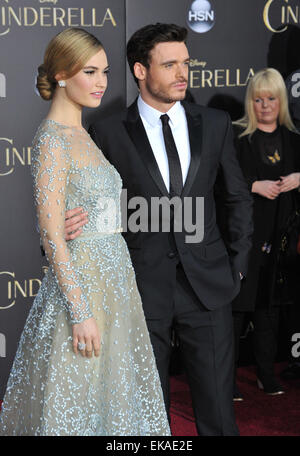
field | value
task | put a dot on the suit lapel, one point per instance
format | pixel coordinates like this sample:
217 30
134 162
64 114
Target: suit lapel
138 135
195 137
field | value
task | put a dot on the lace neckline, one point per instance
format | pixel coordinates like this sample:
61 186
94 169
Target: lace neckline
72 127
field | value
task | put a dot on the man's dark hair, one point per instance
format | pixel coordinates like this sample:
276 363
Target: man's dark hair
143 41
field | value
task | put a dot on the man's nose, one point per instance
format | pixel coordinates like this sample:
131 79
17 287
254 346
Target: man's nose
181 71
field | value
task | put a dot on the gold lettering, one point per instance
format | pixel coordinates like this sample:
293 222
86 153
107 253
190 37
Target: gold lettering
94 19
31 282
56 17
282 14
35 16
52 16
228 79
206 79
9 290
249 76
193 78
267 20
7 157
45 15
18 286
9 293
3 15
11 13
217 77
82 18
71 16
3 21
238 77
295 16
28 289
20 158
29 149
109 17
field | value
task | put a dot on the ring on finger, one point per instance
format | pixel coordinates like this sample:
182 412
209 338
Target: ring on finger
81 346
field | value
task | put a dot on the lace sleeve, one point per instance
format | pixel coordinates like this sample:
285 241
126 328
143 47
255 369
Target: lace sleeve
50 164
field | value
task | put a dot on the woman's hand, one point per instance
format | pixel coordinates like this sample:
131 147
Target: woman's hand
86 333
75 219
289 182
267 188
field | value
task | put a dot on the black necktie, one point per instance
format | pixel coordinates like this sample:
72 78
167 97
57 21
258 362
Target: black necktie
176 183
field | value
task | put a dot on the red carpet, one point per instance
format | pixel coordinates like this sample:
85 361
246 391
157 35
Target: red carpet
258 415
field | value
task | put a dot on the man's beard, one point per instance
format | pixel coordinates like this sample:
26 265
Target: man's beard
163 96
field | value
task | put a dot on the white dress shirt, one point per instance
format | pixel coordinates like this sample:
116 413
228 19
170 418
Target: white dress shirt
178 124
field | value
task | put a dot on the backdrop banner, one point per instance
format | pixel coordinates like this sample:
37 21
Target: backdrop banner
228 41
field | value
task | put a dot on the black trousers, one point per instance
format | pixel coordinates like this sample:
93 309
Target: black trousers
206 346
265 336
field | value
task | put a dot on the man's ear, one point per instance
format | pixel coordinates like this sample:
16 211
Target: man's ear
139 71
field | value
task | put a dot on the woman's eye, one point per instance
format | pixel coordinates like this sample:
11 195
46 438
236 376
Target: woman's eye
90 72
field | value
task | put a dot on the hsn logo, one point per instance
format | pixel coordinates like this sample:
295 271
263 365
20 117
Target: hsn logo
201 16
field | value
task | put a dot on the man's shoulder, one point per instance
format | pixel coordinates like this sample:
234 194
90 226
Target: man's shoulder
204 111
112 119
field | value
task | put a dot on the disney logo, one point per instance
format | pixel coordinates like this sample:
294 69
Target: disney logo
195 62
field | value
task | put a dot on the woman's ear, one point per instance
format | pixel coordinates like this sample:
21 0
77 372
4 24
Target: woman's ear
59 76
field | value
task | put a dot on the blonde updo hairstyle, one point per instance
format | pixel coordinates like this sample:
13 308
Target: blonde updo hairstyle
66 53
267 81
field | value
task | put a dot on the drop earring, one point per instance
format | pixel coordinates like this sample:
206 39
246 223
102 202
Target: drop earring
62 83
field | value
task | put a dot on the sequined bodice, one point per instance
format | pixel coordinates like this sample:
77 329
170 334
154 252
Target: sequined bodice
70 171
92 182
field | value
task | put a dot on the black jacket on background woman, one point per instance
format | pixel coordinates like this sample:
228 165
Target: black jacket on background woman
269 216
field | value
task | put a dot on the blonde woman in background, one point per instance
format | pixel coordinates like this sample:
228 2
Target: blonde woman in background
268 149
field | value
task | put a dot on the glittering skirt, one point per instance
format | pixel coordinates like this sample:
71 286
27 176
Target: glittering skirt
52 391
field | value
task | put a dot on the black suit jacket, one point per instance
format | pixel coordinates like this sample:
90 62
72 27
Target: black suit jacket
211 268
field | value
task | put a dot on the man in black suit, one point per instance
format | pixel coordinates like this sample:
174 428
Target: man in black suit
186 282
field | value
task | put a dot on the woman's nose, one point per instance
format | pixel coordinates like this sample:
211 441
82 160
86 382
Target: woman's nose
265 103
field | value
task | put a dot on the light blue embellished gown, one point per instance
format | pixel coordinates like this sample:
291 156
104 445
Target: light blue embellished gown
52 391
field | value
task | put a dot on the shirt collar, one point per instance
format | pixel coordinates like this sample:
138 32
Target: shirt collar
152 115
